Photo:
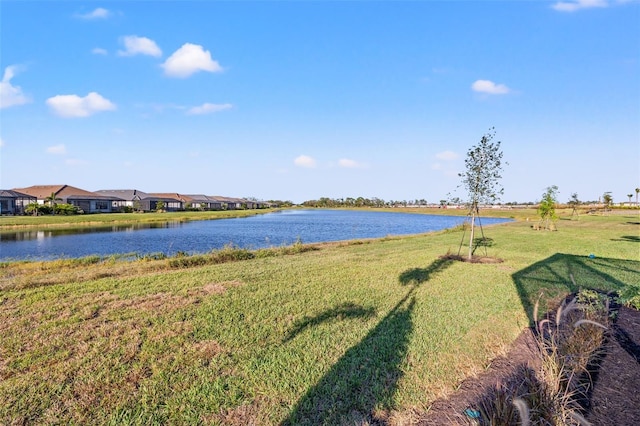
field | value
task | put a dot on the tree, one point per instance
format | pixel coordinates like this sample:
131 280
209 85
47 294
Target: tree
574 202
547 208
33 208
482 178
160 206
607 199
637 192
630 197
51 200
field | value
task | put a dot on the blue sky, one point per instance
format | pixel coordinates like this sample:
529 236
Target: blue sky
296 100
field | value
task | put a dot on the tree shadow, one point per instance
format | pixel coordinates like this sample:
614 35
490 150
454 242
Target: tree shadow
344 311
628 238
366 376
482 242
565 273
417 276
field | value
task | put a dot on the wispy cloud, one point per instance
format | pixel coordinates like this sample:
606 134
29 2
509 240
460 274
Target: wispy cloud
135 45
98 13
189 59
447 156
99 51
57 149
489 87
574 5
350 164
11 95
305 161
74 106
208 108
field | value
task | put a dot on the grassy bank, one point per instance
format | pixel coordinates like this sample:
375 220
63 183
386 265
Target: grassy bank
332 333
12 222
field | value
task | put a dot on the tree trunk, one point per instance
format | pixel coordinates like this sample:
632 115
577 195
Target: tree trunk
473 222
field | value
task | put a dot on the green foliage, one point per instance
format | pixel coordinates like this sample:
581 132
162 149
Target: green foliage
547 207
483 165
630 296
160 206
607 199
481 178
67 209
36 209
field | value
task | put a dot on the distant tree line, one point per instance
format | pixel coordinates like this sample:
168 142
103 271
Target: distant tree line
363 202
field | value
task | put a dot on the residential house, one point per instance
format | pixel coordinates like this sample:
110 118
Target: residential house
199 201
228 203
172 201
14 202
138 200
89 202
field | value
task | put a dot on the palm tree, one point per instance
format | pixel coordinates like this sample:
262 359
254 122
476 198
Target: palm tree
630 196
637 192
51 200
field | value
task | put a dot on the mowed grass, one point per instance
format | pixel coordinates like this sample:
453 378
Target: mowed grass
344 333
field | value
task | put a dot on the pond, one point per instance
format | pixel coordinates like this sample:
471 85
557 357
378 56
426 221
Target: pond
260 231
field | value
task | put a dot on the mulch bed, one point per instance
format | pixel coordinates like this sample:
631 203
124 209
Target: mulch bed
615 395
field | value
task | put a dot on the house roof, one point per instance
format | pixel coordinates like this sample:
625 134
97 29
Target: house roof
125 194
173 196
198 198
226 199
63 192
8 193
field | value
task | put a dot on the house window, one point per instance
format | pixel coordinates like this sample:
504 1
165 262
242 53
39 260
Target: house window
102 205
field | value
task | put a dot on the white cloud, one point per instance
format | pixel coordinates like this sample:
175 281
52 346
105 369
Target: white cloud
349 164
98 13
57 149
11 95
208 108
572 6
189 59
487 86
447 156
71 106
135 45
305 161
99 51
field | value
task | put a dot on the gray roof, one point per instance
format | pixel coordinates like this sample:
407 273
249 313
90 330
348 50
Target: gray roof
125 194
8 193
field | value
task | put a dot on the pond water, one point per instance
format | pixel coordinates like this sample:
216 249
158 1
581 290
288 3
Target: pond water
260 231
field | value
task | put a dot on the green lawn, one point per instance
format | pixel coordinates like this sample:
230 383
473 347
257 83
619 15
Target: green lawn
342 334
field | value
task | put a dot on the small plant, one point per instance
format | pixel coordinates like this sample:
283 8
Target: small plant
568 343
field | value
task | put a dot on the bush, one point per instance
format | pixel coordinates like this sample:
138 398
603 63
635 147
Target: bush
67 209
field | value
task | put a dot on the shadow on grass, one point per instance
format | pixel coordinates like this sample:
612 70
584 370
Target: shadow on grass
417 276
628 238
552 276
343 311
364 380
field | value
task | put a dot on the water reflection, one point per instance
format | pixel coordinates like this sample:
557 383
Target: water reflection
57 232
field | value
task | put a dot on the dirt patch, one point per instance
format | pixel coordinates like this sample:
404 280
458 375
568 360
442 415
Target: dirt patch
614 397
214 288
473 259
